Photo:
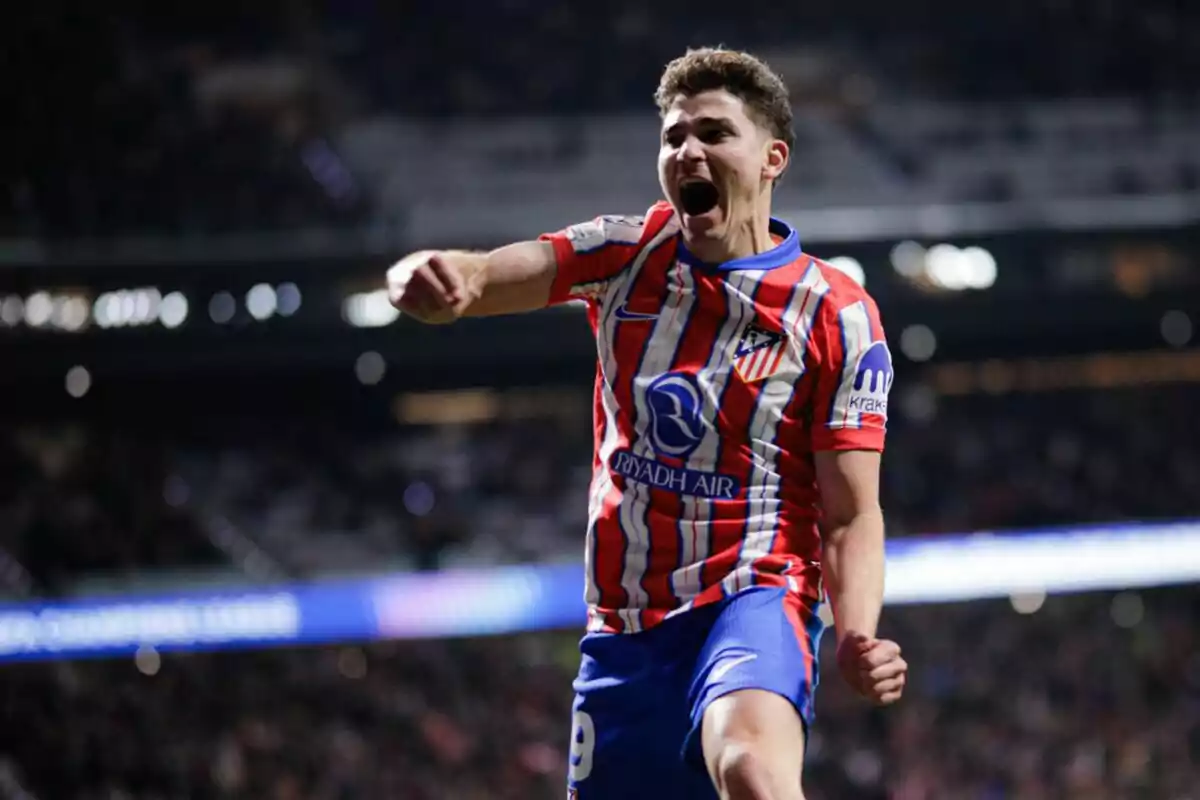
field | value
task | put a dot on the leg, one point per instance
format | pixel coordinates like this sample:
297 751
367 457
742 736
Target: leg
752 695
753 742
630 716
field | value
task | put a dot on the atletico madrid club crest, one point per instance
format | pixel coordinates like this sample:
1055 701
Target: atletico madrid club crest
759 354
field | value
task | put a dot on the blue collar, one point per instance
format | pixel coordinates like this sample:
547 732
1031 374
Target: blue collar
780 255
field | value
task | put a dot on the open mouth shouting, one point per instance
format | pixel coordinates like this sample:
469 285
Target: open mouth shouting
698 196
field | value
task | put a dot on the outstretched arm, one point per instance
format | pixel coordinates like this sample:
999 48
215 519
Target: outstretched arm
438 287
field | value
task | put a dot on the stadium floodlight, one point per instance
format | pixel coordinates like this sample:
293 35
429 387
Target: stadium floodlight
850 266
957 269
173 311
261 301
369 309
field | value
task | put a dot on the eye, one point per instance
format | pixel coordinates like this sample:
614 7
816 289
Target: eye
714 136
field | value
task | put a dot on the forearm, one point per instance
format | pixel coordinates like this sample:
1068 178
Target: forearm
509 280
854 573
440 286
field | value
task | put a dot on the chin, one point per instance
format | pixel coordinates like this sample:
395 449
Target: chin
708 224
703 225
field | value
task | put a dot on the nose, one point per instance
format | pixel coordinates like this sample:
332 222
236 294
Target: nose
690 150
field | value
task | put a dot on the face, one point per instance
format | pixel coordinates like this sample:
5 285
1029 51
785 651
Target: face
715 162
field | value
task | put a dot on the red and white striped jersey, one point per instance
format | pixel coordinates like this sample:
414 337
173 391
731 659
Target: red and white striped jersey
714 387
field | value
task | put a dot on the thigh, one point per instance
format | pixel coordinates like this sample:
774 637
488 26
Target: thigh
765 639
628 725
754 739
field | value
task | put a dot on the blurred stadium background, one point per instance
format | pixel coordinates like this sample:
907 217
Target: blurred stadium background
218 437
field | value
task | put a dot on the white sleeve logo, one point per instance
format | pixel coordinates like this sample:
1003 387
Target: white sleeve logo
591 235
872 381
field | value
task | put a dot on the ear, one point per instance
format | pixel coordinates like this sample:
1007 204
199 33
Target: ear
776 161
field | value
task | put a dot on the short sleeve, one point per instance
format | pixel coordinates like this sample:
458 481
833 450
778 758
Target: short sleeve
590 254
854 376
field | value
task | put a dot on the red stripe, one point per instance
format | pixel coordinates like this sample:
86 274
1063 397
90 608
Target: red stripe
780 349
600 568
712 593
799 614
628 342
665 508
756 363
653 616
737 409
798 535
825 346
770 304
763 355
750 365
629 345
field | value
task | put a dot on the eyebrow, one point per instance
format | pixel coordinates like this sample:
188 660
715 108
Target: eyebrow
702 122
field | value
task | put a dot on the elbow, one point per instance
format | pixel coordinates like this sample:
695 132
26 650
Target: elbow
836 523
858 532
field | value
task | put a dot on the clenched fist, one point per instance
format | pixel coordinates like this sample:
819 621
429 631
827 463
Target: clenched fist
431 285
872 667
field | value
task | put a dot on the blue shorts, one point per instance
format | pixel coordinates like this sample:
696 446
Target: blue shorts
640 698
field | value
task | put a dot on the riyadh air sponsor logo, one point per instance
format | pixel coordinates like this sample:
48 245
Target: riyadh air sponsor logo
676 428
677 480
676 414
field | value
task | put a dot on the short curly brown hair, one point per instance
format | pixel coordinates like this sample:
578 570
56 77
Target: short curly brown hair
742 75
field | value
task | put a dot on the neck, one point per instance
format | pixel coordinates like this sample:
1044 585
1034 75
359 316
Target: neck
743 239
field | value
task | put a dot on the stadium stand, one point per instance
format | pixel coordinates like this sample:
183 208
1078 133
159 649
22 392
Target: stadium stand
333 116
313 497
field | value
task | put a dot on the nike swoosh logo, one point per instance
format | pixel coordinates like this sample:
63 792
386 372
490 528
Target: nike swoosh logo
624 313
721 669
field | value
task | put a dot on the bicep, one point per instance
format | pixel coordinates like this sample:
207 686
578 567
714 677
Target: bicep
574 263
848 481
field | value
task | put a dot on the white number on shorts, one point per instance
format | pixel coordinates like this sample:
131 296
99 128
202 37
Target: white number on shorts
583 742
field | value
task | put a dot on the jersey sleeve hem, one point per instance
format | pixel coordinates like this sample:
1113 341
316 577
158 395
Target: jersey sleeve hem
849 439
560 288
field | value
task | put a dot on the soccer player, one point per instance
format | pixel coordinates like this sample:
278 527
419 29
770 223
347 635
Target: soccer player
740 408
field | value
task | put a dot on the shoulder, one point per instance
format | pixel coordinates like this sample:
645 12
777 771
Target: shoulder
839 289
619 229
848 323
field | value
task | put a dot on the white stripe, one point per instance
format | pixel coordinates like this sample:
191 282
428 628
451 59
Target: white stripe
855 326
762 485
602 483
695 519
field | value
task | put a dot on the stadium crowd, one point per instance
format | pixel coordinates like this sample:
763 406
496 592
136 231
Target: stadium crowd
1100 702
208 123
514 491
1093 697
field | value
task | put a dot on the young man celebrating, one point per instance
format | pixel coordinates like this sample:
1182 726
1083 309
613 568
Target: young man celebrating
740 409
